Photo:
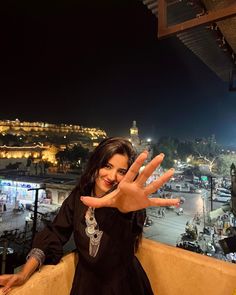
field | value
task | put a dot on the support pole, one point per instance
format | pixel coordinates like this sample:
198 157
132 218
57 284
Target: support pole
211 193
34 227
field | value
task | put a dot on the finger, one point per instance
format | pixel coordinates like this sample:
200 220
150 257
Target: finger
134 168
5 290
164 202
10 283
4 279
155 185
149 169
96 202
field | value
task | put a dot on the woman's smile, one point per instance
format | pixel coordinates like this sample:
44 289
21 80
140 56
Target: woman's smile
111 174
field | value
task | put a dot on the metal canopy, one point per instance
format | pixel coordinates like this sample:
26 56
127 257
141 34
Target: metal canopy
206 27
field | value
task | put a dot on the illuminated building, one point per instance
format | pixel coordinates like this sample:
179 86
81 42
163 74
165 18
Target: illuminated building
39 128
134 137
139 145
42 141
46 153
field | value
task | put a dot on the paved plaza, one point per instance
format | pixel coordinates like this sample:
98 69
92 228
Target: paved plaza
11 220
166 229
166 226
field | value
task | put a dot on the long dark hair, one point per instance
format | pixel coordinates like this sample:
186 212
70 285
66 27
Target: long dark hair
100 157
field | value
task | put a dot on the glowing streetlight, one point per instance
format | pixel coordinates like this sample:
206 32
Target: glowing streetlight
188 159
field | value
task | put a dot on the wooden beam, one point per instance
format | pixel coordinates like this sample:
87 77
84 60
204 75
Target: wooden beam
162 17
211 16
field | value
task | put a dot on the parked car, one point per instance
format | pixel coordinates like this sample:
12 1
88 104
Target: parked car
223 191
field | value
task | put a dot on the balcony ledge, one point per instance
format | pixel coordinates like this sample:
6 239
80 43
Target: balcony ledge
171 271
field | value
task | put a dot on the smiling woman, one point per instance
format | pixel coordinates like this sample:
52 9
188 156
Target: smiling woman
106 214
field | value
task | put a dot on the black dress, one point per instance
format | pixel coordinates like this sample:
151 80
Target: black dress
114 270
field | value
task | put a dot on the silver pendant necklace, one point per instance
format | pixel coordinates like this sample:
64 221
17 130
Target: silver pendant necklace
92 231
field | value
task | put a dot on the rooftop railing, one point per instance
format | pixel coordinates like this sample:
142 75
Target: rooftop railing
172 271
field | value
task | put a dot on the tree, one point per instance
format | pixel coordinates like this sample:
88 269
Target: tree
75 156
223 164
207 150
185 149
168 146
29 161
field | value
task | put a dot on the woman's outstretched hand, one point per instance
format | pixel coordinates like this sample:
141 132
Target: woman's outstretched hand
132 193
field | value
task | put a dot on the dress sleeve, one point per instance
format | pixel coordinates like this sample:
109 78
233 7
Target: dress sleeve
52 238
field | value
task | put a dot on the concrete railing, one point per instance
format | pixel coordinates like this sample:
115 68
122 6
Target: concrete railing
172 271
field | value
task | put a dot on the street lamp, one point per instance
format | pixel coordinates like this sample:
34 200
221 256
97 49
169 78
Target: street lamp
203 209
233 187
211 198
34 227
203 196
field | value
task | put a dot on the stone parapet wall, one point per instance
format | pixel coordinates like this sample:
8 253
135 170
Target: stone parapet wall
172 271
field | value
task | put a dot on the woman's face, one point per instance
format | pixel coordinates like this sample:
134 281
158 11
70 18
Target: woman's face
111 174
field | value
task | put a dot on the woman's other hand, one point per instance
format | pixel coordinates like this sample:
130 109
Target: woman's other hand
11 280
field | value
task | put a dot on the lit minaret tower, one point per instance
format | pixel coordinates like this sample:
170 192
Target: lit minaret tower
134 135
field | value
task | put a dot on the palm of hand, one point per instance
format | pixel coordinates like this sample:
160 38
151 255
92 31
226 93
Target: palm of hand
130 197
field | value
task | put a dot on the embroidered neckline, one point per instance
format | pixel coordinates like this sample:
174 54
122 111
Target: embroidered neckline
92 231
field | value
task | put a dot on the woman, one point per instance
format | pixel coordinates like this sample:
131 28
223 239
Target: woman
107 237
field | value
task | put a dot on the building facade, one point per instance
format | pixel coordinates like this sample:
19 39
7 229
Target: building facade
138 144
42 141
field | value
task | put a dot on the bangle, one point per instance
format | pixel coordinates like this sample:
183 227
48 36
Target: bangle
38 254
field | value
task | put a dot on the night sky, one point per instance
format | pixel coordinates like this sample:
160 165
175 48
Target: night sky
100 64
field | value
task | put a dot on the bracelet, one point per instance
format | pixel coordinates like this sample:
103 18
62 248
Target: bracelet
38 254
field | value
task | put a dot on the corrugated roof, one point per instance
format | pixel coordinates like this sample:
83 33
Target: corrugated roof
62 179
214 44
